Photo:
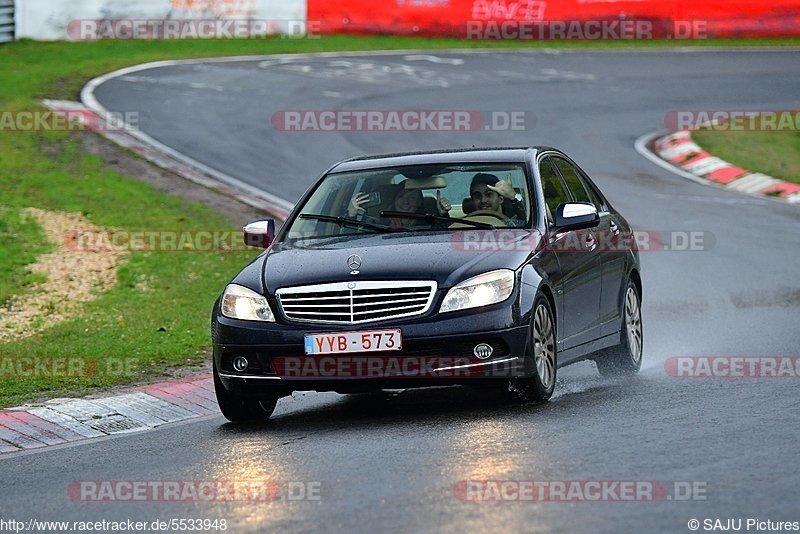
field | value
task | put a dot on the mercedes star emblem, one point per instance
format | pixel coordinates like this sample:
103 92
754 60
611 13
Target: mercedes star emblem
354 262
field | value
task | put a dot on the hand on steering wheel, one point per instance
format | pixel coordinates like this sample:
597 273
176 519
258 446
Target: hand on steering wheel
491 213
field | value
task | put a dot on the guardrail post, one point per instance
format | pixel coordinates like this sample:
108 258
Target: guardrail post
6 21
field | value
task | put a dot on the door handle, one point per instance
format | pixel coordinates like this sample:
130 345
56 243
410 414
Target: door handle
590 242
614 228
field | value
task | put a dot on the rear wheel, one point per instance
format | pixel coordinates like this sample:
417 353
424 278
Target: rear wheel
625 358
542 350
238 409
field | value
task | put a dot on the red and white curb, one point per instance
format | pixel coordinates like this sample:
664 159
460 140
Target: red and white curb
166 158
687 158
71 420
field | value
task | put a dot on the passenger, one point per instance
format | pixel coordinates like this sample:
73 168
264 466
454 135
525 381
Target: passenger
407 201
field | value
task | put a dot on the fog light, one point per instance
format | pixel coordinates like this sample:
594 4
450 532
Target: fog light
482 351
240 363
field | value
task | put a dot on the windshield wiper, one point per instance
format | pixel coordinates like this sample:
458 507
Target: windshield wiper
430 217
346 221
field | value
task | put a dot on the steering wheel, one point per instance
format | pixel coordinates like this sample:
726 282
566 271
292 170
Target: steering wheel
485 213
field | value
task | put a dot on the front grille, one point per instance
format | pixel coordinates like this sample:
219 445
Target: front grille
356 302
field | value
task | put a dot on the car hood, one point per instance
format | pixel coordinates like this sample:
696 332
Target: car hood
446 257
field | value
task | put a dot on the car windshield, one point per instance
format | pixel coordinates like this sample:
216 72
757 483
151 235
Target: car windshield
416 198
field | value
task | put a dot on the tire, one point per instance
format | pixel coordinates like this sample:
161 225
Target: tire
239 409
625 359
542 357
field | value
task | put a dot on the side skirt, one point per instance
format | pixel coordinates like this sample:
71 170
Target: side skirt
584 351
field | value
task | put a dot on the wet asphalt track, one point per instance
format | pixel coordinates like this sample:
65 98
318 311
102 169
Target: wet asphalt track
391 461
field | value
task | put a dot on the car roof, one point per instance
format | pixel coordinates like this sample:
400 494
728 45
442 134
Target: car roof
460 155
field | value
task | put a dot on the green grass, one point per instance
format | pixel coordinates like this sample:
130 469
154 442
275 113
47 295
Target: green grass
157 315
776 154
21 240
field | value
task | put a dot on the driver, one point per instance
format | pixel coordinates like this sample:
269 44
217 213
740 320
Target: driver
490 193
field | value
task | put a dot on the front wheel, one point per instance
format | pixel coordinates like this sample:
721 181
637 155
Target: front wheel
625 358
239 409
542 348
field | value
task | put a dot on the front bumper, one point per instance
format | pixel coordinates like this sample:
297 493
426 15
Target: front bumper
438 350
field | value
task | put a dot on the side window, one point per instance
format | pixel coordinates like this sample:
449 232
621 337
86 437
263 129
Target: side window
554 193
574 183
597 200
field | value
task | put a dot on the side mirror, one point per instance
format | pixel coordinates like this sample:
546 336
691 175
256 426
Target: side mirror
576 216
259 233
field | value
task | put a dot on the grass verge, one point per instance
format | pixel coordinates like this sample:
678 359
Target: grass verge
157 316
21 240
776 153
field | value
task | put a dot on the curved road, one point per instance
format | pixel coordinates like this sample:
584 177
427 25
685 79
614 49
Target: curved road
393 461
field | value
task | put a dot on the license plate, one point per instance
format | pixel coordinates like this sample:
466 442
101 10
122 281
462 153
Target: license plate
345 342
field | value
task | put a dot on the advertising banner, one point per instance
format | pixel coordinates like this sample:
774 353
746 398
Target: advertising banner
561 19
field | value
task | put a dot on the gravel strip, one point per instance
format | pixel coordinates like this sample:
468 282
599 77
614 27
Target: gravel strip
73 277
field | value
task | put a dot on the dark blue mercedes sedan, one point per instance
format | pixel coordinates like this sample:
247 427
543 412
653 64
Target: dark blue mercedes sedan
485 267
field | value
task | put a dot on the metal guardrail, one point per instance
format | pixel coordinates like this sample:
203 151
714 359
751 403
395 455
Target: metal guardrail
6 21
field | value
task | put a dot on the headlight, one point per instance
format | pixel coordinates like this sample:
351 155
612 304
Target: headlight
238 302
481 290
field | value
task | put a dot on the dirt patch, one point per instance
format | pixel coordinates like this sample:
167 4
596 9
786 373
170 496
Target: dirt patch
128 164
73 278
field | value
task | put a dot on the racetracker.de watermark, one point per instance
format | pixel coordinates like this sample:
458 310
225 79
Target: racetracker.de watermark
586 30
582 241
20 367
160 241
481 491
169 29
193 490
67 121
342 366
392 120
733 366
728 120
